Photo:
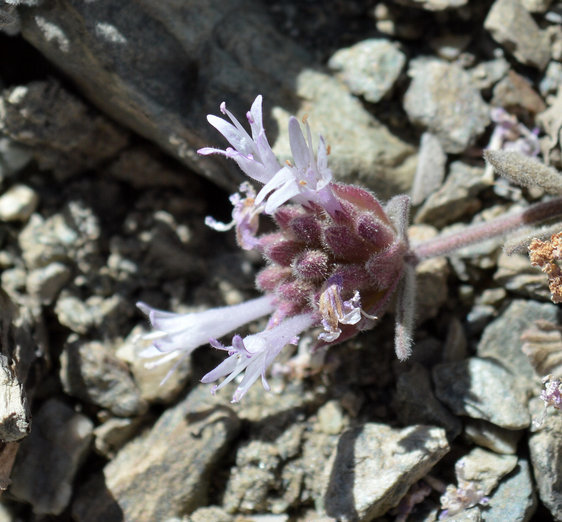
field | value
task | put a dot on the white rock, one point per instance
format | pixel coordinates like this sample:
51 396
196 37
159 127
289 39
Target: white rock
18 203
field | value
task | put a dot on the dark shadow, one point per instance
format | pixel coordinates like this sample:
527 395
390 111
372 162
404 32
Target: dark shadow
339 501
94 502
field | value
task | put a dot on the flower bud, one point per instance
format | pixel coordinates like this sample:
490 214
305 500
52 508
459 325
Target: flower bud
374 231
311 265
344 244
307 229
283 252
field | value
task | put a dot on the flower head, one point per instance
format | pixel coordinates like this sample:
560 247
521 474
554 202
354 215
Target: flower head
335 259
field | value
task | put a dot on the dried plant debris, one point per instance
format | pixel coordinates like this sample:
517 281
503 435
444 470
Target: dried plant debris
547 255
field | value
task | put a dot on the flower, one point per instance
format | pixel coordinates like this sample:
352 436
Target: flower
510 134
245 216
252 154
335 250
174 334
255 353
307 180
335 311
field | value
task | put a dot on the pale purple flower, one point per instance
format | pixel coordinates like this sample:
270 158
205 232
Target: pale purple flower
252 153
174 334
335 311
308 180
245 217
510 134
255 353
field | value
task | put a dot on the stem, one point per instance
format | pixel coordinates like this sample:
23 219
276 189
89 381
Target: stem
447 243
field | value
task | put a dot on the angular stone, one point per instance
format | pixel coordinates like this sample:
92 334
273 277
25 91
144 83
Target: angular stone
46 282
514 28
18 203
502 340
516 92
415 403
492 437
515 498
443 99
49 458
151 383
91 372
15 417
485 468
431 168
370 67
114 433
64 135
455 198
482 389
96 312
175 460
546 456
159 69
374 465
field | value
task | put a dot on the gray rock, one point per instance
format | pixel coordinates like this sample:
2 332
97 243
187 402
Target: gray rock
91 372
114 433
456 197
432 290
514 499
249 490
415 402
175 460
46 282
69 235
18 203
374 466
515 273
430 170
363 150
485 469
95 312
370 67
15 417
13 157
517 93
210 514
19 348
546 457
502 341
492 437
486 74
49 458
482 389
331 418
442 99
514 28
63 134
160 68
268 476
536 6
551 79
150 381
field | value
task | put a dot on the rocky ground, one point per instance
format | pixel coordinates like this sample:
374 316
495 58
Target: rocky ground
102 204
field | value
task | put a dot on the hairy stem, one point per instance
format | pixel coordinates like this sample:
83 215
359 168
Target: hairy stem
447 243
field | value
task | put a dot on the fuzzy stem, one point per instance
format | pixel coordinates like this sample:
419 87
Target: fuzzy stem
447 243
